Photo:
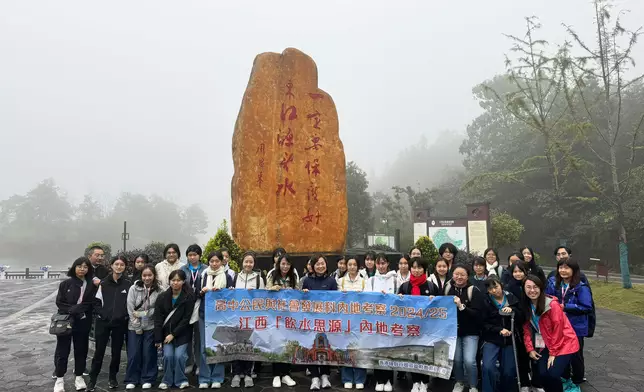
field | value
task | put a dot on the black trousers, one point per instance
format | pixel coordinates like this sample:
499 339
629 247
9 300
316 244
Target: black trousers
104 331
80 338
577 363
317 371
242 368
417 377
281 369
382 376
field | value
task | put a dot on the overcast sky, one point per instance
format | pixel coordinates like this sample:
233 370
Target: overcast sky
142 96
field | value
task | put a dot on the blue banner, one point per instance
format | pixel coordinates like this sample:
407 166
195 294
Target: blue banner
357 329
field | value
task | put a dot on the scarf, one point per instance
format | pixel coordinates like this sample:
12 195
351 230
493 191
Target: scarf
416 282
499 305
491 268
216 279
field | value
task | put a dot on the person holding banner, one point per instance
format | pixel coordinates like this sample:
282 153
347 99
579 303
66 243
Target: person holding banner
419 285
549 338
321 280
282 278
352 281
247 279
172 312
469 305
212 279
385 282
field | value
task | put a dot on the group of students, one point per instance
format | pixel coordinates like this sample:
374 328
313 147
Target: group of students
159 311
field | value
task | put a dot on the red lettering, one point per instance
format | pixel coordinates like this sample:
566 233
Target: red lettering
366 326
355 308
413 330
286 160
289 86
271 304
260 179
260 149
308 218
305 305
277 321
335 326
293 305
305 324
367 308
258 304
316 96
220 305
290 323
319 325
261 322
232 304
397 330
287 140
289 113
343 308
313 168
260 163
286 186
316 143
318 307
329 307
245 305
312 193
244 323
316 118
381 309
382 328
348 330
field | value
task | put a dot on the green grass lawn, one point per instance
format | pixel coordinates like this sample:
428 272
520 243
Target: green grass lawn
613 296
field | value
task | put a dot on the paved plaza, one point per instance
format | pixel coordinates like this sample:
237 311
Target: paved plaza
614 357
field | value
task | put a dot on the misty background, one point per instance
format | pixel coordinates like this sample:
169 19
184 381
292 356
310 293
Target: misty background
98 100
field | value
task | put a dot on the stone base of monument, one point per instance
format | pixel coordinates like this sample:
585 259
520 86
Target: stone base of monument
264 262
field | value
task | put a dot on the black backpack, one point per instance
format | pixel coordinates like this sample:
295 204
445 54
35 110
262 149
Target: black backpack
592 316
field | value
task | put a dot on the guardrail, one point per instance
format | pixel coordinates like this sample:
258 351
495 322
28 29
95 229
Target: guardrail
27 274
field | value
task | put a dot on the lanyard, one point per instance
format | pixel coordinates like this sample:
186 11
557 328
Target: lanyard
535 318
564 290
146 304
499 305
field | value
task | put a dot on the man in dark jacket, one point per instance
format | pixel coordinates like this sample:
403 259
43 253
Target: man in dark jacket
111 321
96 256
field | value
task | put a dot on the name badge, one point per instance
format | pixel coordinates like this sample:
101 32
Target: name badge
538 341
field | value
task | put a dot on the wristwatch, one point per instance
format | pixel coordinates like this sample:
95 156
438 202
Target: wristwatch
462 307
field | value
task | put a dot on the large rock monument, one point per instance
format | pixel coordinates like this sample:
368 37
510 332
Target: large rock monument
289 186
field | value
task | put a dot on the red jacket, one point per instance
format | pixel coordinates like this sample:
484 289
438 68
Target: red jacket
557 332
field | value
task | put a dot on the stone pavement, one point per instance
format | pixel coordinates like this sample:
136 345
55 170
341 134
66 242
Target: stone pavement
614 357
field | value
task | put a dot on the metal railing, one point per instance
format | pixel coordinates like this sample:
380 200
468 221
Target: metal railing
27 274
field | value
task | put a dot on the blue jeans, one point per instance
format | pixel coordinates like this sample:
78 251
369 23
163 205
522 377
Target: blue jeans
505 356
465 360
353 375
141 358
208 373
174 364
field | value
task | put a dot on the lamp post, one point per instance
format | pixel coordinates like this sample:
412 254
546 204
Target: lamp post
125 236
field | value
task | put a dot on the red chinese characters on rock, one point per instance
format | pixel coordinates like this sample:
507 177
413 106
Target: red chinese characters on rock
312 193
313 167
287 186
261 151
310 216
316 119
286 140
286 160
315 140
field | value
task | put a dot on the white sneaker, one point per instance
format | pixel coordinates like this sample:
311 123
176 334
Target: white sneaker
276 382
59 386
359 386
458 387
79 383
184 385
236 382
380 387
348 385
147 385
325 381
415 387
307 372
253 375
538 389
472 389
203 385
423 387
163 386
388 387
215 385
248 382
288 381
524 389
315 384
130 386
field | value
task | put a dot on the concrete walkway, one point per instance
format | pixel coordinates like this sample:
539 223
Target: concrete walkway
614 357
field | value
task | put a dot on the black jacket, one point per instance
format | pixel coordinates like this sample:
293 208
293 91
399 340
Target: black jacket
113 308
101 271
479 284
67 299
494 322
428 288
470 320
179 324
514 286
534 269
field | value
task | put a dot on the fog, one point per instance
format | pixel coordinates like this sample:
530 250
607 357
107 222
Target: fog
143 96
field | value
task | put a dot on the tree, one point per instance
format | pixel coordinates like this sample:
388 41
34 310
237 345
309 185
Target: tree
194 221
154 250
359 204
506 230
603 113
222 239
427 249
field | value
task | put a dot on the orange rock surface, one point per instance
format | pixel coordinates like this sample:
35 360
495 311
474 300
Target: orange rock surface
289 186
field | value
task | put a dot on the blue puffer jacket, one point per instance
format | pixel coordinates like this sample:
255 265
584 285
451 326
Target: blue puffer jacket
578 304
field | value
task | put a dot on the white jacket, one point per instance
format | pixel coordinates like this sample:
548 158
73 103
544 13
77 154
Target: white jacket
402 279
432 278
387 283
163 270
346 284
249 281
